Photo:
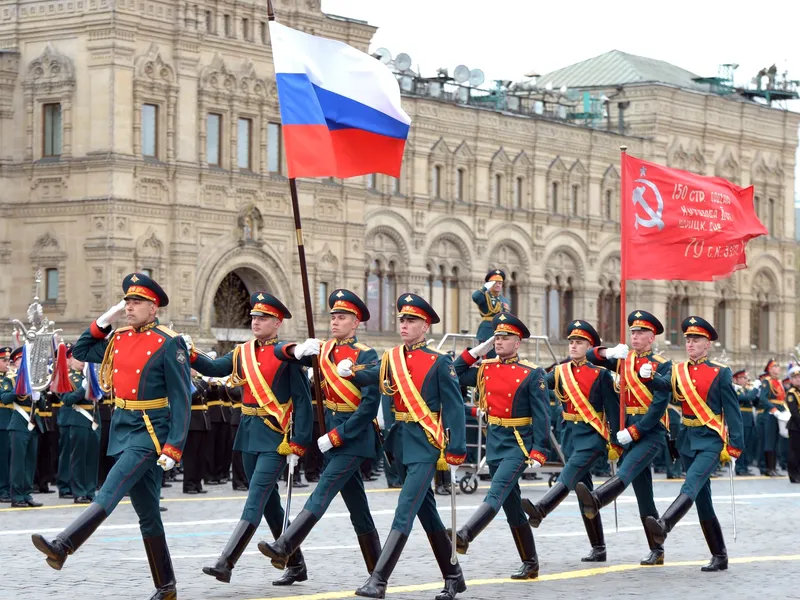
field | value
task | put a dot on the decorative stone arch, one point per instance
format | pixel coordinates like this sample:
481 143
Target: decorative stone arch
727 166
439 162
456 230
261 270
250 224
154 82
521 238
450 250
697 160
677 157
557 184
149 254
567 238
765 308
49 79
48 253
386 245
392 219
610 194
464 160
578 189
564 264
510 256
610 272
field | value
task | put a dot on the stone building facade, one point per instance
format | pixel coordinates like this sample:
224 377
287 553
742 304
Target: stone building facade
145 135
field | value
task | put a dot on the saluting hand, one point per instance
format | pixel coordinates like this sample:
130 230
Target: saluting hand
482 349
111 315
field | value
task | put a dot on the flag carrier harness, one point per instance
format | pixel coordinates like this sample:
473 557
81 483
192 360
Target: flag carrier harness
469 472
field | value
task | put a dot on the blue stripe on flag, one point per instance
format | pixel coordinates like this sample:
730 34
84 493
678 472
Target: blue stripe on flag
303 103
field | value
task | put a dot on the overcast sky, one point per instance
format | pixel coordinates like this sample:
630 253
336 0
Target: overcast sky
508 38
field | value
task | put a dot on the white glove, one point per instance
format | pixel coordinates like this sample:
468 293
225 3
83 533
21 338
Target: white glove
345 368
111 315
737 388
308 348
310 375
488 285
646 371
535 464
757 383
165 462
482 349
783 415
188 339
620 351
35 396
291 460
324 443
624 437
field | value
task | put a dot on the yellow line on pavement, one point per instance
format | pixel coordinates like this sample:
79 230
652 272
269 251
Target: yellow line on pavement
207 498
422 587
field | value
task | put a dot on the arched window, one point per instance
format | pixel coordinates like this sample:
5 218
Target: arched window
721 321
608 204
381 293
677 311
519 192
554 197
513 293
772 224
436 182
498 189
558 307
608 313
444 288
460 178
573 200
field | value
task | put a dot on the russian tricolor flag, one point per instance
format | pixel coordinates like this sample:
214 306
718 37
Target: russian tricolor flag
340 108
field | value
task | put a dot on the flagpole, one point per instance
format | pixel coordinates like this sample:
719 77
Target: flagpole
301 253
623 281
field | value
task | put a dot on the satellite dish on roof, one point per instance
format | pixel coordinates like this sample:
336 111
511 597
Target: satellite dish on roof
563 89
549 86
461 74
383 55
403 61
476 77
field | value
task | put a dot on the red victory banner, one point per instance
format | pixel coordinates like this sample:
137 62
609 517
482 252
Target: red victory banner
678 225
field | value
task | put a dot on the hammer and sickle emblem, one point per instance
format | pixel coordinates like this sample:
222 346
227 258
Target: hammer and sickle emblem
655 219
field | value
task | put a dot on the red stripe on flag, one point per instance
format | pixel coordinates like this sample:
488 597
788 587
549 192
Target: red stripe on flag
316 151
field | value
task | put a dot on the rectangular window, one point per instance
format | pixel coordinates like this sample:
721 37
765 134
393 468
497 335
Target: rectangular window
264 32
372 181
243 144
209 22
574 199
214 139
246 29
436 184
519 192
148 272
395 185
52 130
274 147
227 20
771 214
51 281
554 197
323 297
498 189
150 130
460 185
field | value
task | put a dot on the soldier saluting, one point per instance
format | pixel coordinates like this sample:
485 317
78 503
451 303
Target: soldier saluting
275 428
712 432
351 401
645 404
147 367
490 302
427 401
590 414
513 395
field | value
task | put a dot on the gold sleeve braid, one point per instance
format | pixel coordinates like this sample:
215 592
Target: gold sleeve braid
481 389
106 375
385 383
236 380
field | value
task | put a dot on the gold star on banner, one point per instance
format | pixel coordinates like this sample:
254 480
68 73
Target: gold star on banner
409 299
637 315
260 297
340 294
577 323
692 320
134 279
501 318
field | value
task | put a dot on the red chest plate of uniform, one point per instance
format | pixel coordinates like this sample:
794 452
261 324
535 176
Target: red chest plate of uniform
132 351
777 390
418 363
501 382
638 362
268 365
338 354
585 376
703 376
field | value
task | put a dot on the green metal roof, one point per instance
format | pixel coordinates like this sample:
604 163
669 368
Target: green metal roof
618 68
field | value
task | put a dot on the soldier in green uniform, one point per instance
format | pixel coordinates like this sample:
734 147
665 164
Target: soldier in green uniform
748 398
513 395
491 303
793 403
712 433
352 401
275 428
23 439
427 404
645 406
62 419
772 400
147 367
590 414
6 386
83 427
